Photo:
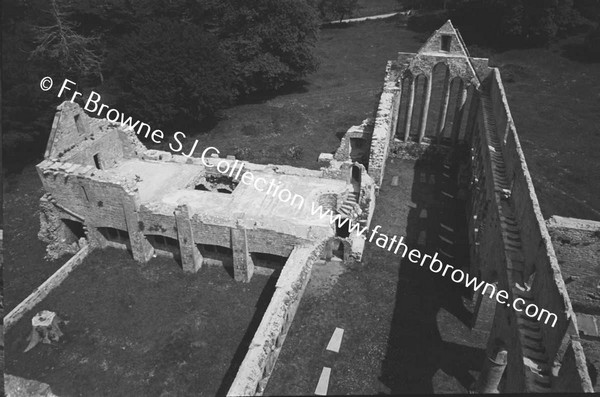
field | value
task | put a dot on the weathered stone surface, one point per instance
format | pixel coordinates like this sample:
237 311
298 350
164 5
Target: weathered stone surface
15 386
103 181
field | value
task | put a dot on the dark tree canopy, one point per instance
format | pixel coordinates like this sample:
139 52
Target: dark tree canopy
172 72
337 9
515 23
269 41
167 62
198 57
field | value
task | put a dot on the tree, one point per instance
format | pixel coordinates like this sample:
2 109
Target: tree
271 42
337 9
172 72
514 23
27 111
60 43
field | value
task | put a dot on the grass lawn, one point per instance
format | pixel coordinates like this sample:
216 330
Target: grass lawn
555 102
342 93
142 330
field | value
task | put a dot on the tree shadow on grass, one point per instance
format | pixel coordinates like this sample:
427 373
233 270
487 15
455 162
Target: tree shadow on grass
579 53
416 347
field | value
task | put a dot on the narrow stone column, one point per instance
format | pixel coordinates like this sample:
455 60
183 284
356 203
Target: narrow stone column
443 108
191 259
460 106
141 248
425 111
396 109
484 312
491 373
328 250
409 111
243 267
472 116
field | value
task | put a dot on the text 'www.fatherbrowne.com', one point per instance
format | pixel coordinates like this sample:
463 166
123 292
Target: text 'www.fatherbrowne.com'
457 275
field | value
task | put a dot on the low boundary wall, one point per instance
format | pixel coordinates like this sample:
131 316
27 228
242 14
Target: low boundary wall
385 124
258 364
43 290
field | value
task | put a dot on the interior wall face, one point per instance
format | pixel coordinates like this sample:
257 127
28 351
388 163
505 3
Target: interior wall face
497 159
440 116
108 148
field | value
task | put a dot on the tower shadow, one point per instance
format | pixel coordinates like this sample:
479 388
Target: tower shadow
422 338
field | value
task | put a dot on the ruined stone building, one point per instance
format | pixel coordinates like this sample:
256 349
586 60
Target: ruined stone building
102 184
509 241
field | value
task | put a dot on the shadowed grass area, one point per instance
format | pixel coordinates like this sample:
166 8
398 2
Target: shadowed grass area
142 330
405 328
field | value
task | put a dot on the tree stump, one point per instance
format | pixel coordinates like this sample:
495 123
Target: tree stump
44 328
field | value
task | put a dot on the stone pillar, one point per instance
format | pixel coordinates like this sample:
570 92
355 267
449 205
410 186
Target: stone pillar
191 259
444 107
94 237
328 250
484 311
409 111
396 110
472 115
243 267
460 106
425 111
491 373
141 248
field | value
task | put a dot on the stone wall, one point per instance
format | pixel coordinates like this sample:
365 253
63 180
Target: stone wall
511 246
86 191
258 364
385 124
76 138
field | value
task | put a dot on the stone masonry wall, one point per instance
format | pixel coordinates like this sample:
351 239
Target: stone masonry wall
511 242
258 364
385 121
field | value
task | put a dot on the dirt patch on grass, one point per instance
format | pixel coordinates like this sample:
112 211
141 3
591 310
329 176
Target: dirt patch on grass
142 329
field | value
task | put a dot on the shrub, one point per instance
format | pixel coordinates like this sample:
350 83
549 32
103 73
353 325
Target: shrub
337 9
294 152
242 153
516 23
270 41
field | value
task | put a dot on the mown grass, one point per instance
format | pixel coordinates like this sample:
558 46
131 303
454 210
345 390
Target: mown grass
142 330
342 93
555 102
